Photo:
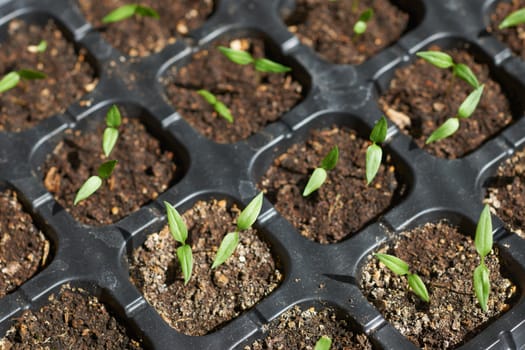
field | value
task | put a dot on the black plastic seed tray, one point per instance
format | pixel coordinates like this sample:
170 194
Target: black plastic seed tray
96 258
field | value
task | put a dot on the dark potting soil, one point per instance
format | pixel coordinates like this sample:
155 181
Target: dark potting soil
212 297
421 97
300 329
73 320
23 247
144 170
142 36
344 204
445 259
506 193
69 76
254 98
513 37
327 27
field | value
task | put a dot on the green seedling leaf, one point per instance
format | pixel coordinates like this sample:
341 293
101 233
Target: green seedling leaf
378 134
393 263
223 111
185 257
88 188
269 66
316 180
226 249
236 56
109 139
418 287
330 161
515 18
463 71
208 96
374 154
324 343
126 11
248 216
176 224
448 128
9 81
482 285
106 169
483 238
471 103
437 58
366 15
360 27
42 46
146 11
30 74
113 118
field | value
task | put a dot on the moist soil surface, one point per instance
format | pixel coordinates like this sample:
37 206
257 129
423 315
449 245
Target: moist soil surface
513 37
421 97
344 203
445 259
300 329
23 247
144 170
254 98
212 297
327 27
142 36
72 320
69 76
506 193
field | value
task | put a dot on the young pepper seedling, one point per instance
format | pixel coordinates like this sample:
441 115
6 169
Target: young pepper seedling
319 174
246 219
11 79
374 153
515 18
179 232
362 23
445 61
483 243
261 64
217 105
126 11
324 343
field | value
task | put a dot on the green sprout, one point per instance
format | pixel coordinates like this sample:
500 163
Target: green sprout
451 125
483 243
324 343
374 153
104 171
400 268
219 107
11 79
180 233
246 219
444 61
41 47
127 11
261 64
319 174
361 24
515 18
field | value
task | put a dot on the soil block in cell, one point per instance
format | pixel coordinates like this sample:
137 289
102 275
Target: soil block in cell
445 260
253 97
23 247
344 204
212 297
300 329
142 36
144 170
421 97
506 193
327 27
72 320
512 36
68 74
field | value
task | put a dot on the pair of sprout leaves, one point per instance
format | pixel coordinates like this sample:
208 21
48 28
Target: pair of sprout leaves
374 154
482 241
104 171
179 231
11 79
241 58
